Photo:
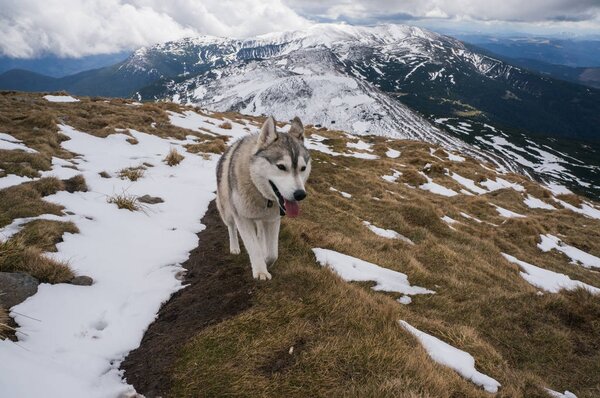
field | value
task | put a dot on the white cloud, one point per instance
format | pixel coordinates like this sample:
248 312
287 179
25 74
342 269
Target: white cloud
29 28
82 27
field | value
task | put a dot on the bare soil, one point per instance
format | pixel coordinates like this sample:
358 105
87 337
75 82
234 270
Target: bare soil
219 286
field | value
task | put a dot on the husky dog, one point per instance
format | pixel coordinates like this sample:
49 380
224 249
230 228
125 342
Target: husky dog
260 178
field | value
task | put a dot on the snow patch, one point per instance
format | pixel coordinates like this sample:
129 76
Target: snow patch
547 280
468 183
352 269
535 203
60 98
501 183
393 177
392 153
507 213
73 338
549 242
436 188
460 361
10 143
556 394
344 194
387 233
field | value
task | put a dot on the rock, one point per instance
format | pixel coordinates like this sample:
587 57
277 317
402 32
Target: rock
16 287
150 199
82 280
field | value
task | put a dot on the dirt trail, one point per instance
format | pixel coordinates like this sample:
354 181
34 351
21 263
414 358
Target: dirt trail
220 286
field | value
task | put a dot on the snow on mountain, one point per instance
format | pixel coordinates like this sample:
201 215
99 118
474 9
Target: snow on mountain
302 73
369 80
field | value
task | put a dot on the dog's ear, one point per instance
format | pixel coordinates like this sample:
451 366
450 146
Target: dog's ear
267 133
297 129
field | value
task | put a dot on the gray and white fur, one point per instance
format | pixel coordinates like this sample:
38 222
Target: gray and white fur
259 177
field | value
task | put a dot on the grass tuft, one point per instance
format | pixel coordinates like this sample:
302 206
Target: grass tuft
125 201
226 125
173 158
4 328
25 200
571 199
24 164
45 234
132 173
210 146
16 256
413 177
76 184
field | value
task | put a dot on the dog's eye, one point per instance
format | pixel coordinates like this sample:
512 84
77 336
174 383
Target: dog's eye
281 167
303 168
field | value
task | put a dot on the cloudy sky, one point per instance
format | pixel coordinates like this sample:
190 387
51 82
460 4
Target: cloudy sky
73 28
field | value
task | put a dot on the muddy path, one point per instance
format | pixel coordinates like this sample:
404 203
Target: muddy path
220 285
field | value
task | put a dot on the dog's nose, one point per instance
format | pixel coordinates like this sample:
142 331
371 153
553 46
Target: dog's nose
299 194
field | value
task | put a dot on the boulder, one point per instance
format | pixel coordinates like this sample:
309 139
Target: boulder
82 280
150 199
16 287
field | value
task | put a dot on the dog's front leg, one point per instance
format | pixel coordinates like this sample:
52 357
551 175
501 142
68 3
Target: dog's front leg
249 233
271 231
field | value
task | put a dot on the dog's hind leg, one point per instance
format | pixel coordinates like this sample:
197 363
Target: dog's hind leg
271 240
234 244
254 247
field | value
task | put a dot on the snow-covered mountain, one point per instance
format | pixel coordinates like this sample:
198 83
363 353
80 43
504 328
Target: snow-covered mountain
394 80
288 74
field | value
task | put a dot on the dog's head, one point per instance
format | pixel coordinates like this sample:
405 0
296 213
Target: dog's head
281 165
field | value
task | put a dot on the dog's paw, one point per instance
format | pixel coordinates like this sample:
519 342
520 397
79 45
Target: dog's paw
262 275
235 250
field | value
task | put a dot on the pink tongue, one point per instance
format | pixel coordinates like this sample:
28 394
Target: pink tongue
291 208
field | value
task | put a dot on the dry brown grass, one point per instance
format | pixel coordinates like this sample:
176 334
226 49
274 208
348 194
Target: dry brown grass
45 234
226 125
132 173
571 199
17 256
412 177
209 146
25 200
352 343
4 328
23 163
435 169
173 158
76 184
125 201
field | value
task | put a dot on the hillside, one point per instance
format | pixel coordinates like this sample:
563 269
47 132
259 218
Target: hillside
412 270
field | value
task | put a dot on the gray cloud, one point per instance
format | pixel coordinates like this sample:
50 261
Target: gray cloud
29 28
490 10
75 28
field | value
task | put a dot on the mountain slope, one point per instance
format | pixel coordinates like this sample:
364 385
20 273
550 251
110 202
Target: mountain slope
54 66
429 71
394 80
361 79
403 253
